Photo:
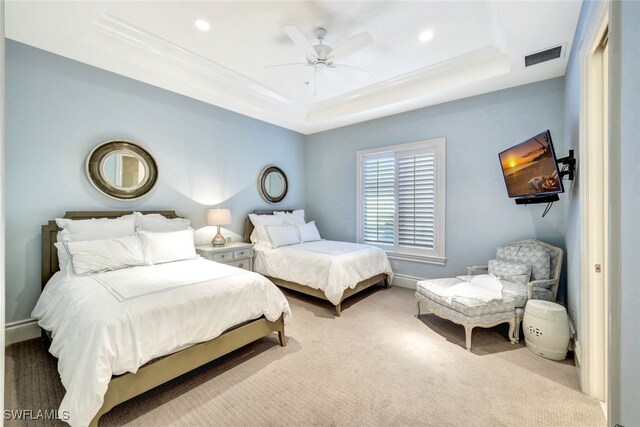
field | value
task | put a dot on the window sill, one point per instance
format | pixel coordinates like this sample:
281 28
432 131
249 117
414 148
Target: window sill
424 259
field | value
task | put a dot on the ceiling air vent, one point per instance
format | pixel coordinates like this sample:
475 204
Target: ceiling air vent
543 56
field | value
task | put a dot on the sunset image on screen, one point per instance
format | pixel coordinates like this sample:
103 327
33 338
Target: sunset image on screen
529 168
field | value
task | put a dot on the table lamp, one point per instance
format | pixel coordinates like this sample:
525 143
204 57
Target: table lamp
218 217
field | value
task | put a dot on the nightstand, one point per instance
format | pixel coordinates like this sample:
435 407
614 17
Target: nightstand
236 254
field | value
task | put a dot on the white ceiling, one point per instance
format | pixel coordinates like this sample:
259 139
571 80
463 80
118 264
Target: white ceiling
478 47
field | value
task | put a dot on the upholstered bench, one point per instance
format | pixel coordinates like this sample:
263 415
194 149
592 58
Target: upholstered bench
468 312
542 263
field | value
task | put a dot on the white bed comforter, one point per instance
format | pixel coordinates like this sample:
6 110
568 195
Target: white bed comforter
114 322
327 265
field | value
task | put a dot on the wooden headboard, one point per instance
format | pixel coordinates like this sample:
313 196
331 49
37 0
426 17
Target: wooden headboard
248 225
50 233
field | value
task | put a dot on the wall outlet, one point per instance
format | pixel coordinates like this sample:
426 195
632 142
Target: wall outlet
394 265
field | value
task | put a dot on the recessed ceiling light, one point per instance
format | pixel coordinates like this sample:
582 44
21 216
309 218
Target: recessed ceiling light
425 36
202 25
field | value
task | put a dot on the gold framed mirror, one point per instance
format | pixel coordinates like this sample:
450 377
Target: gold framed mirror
121 170
272 184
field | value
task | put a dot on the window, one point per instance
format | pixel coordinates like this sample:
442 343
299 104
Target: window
401 200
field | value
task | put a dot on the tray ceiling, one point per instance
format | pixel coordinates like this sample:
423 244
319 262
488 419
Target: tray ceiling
477 47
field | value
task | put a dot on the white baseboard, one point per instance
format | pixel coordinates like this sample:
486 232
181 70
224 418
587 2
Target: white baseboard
404 281
21 330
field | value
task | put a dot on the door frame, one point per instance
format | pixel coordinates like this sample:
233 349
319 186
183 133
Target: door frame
592 333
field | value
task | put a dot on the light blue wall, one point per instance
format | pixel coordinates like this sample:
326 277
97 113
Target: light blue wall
479 214
625 99
57 110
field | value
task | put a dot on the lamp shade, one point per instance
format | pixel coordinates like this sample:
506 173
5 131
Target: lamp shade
218 216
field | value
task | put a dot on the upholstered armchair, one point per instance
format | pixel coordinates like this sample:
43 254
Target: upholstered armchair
542 262
555 266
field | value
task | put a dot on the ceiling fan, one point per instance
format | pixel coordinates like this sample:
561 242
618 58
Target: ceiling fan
320 57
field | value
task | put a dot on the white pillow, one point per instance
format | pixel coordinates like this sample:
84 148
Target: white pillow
295 217
159 223
64 262
167 247
94 256
96 228
282 235
259 235
308 232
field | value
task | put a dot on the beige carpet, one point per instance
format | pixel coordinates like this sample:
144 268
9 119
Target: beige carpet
375 365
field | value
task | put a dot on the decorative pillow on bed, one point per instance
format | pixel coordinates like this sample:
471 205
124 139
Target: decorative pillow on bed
167 247
259 234
93 229
94 256
282 235
513 272
160 224
308 232
295 217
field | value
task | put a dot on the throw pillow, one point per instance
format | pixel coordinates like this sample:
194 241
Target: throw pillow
529 254
518 273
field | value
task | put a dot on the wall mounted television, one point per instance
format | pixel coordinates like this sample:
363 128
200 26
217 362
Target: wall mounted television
530 169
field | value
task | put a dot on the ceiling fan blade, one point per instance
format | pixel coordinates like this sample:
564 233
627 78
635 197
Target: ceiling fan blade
303 72
355 72
350 46
300 40
295 64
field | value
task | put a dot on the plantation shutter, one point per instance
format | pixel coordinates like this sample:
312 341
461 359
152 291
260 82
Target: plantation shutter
417 199
379 199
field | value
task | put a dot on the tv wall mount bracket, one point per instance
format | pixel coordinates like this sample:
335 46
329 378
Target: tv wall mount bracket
570 163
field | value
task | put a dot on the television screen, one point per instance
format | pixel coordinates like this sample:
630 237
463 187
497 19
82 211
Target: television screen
530 168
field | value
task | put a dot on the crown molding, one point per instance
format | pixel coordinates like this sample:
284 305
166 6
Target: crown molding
414 89
217 78
140 38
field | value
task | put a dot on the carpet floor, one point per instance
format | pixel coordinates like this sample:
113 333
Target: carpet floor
376 365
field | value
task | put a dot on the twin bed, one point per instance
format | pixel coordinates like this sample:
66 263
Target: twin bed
326 269
121 332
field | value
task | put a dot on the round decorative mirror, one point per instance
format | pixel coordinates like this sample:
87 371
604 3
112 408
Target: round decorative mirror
121 170
273 185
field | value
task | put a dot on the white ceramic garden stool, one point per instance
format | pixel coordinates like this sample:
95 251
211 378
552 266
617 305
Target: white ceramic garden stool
546 329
